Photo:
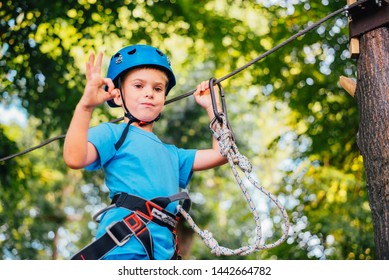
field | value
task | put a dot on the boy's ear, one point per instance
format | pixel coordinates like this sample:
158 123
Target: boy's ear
118 98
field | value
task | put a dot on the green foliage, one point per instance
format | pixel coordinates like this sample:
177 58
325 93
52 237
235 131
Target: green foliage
287 112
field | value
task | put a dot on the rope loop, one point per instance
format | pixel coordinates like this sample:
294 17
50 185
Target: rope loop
227 144
221 130
244 163
211 242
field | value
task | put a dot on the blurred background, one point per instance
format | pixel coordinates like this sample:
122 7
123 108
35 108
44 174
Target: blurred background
290 118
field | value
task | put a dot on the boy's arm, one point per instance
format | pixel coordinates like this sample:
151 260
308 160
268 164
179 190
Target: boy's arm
208 158
78 152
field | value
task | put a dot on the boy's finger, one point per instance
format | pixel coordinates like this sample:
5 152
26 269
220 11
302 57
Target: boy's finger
99 60
108 82
87 69
91 58
205 85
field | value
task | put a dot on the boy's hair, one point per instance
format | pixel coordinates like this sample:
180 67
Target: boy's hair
145 67
138 56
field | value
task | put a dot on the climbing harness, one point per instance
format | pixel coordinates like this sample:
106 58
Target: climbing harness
221 130
135 224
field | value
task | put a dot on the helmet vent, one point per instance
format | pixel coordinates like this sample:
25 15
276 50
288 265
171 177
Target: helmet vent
159 52
132 52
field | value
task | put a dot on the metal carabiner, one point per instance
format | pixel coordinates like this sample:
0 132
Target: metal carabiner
96 217
213 98
218 115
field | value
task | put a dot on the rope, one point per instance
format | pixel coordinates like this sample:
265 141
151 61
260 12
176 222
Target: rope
290 39
229 149
48 141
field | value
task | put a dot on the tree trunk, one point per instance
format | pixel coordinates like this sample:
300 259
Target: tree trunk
185 239
372 95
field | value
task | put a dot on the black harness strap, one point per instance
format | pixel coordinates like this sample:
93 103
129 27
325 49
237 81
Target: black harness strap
117 234
131 119
135 224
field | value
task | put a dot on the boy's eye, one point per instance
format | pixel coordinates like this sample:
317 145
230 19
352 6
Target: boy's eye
159 89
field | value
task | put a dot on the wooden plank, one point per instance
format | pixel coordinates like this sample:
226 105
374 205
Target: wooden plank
348 84
354 42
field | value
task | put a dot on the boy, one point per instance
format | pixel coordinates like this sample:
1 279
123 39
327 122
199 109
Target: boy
138 167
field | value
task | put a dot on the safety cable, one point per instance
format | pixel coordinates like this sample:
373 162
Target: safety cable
274 49
217 81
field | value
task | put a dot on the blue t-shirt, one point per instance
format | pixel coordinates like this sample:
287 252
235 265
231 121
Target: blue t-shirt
143 166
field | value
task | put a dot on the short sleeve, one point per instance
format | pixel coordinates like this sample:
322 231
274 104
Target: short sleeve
103 138
186 160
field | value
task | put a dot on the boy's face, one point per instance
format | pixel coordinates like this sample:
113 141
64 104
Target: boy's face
144 93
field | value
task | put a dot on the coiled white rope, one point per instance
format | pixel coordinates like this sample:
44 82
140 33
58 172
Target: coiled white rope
229 149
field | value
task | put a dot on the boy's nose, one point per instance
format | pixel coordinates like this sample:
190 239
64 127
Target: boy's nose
149 92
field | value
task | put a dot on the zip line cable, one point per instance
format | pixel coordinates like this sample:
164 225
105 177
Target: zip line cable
238 70
265 54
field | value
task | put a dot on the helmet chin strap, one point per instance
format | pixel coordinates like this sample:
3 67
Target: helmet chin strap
131 119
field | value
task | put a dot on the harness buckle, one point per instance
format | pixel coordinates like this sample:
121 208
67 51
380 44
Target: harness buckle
114 238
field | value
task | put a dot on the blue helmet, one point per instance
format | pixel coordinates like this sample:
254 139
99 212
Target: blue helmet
137 56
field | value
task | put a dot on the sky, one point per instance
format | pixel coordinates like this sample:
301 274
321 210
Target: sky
12 114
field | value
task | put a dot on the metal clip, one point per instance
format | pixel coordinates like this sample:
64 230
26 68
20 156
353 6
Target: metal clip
219 115
211 124
96 217
213 98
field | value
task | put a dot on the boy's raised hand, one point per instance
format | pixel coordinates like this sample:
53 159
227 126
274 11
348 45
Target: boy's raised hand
203 97
94 92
